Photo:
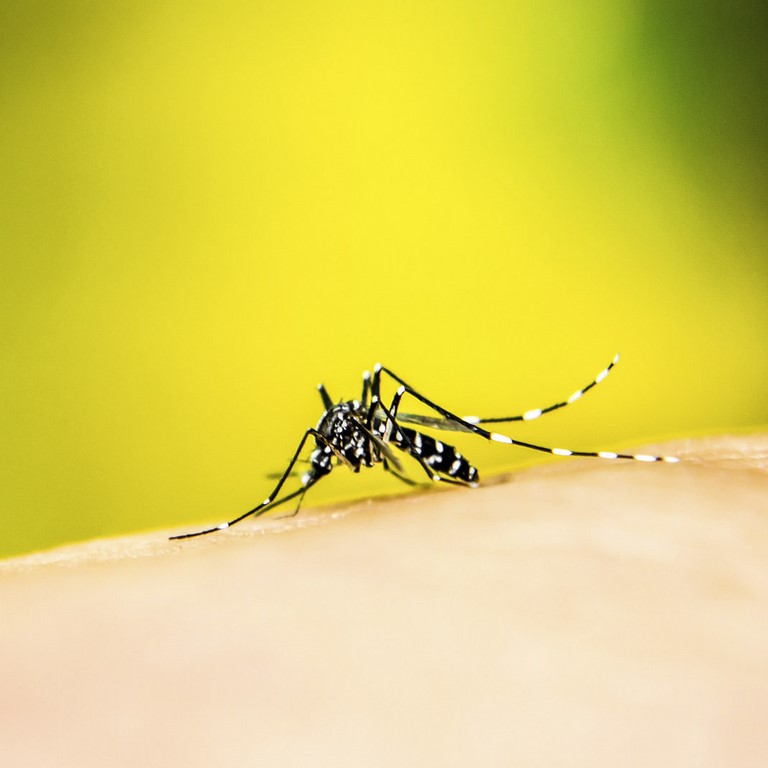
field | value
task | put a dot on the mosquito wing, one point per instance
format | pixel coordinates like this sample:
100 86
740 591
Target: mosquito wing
432 421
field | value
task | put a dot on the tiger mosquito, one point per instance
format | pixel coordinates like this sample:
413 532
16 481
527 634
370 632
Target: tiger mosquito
362 433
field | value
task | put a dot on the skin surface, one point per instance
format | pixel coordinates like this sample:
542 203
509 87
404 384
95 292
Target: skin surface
580 613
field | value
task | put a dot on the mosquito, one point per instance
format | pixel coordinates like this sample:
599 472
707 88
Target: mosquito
365 432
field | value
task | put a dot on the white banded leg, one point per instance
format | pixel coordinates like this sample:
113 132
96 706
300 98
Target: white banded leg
535 413
499 438
271 501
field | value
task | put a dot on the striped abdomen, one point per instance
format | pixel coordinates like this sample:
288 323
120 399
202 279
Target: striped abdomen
439 456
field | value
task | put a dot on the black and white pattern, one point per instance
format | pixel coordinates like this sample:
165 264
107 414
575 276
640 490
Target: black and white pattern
362 433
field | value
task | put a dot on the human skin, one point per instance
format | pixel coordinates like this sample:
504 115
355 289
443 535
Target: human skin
579 613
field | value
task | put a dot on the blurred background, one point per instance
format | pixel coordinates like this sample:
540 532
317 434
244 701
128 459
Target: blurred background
205 210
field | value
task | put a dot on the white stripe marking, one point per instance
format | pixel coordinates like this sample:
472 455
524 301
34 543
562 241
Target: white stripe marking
561 452
671 459
222 527
471 419
501 438
575 396
644 457
608 455
616 359
266 501
600 376
533 414
401 391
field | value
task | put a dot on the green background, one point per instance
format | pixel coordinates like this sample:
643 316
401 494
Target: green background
206 210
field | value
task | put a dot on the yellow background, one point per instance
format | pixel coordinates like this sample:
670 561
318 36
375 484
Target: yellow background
207 208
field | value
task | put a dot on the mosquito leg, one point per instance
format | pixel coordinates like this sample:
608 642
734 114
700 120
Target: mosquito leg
535 413
294 471
270 501
301 499
499 438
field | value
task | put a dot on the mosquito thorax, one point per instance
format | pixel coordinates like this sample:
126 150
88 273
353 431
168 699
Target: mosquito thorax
343 429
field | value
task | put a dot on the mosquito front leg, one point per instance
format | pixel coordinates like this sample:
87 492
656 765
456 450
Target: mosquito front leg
271 501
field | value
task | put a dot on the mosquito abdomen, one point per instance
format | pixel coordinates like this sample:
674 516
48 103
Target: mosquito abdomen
438 455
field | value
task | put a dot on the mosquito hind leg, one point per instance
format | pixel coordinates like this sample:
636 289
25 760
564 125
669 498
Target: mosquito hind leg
535 413
497 437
